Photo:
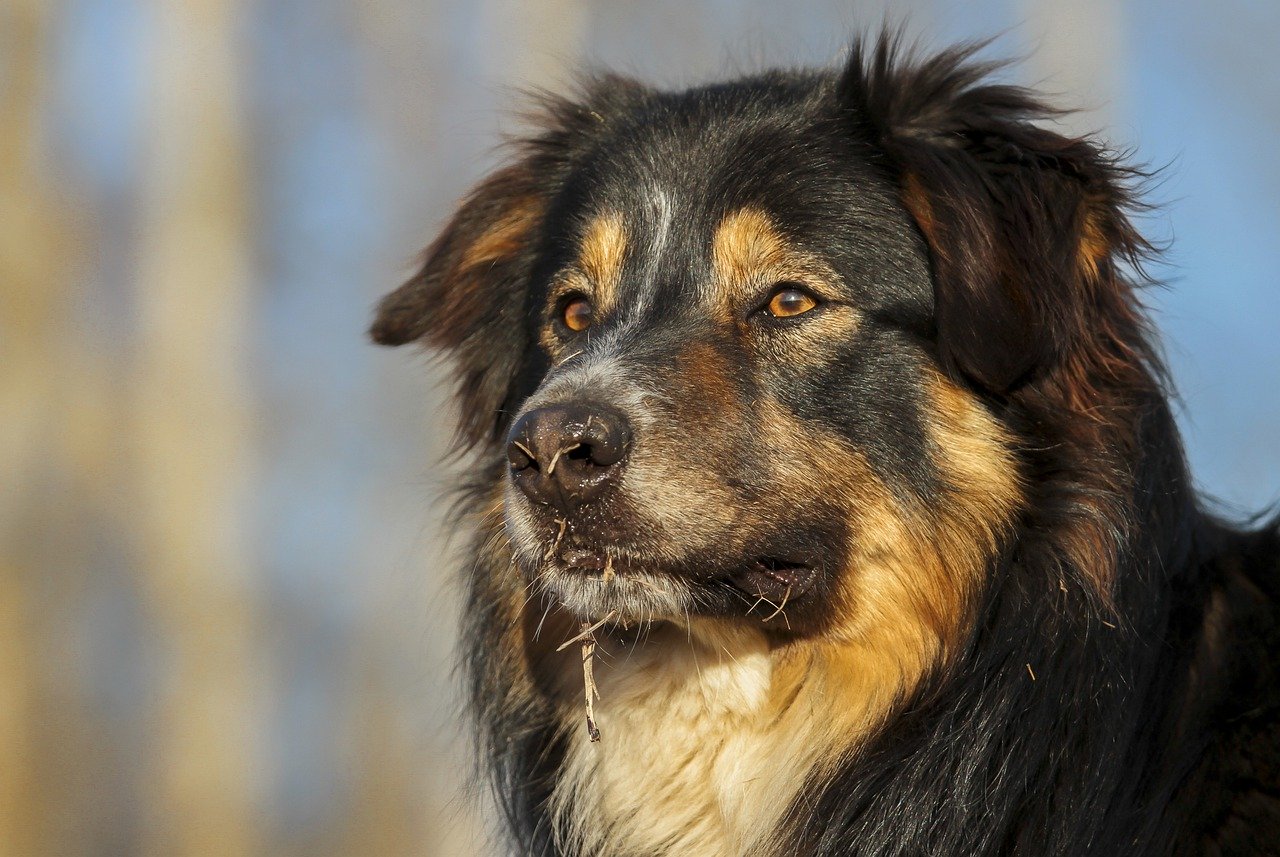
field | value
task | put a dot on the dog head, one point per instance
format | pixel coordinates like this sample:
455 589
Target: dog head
756 350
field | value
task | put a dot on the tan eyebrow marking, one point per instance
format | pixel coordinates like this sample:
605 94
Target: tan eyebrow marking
601 256
749 254
745 243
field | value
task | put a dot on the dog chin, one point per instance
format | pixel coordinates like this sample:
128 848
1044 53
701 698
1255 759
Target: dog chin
631 597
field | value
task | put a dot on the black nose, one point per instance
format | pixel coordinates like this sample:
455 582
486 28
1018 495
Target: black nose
568 455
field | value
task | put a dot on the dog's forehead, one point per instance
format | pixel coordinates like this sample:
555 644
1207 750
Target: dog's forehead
676 204
670 237
663 252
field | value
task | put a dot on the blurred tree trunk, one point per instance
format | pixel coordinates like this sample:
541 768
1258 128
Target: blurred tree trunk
32 293
193 437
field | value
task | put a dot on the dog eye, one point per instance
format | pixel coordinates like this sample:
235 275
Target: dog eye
788 300
577 313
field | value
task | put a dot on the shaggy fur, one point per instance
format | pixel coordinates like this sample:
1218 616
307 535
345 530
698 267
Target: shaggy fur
917 569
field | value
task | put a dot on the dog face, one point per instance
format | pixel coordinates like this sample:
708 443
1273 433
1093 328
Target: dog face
733 417
737 347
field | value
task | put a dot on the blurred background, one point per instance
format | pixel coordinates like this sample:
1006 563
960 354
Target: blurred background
226 608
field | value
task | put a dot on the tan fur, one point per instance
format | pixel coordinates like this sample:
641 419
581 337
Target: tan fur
505 238
706 394
451 285
749 254
462 300
916 200
746 243
982 491
601 256
1094 246
596 273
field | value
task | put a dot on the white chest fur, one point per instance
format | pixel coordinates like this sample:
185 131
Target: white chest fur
694 757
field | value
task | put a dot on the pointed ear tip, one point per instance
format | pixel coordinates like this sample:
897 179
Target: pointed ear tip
390 331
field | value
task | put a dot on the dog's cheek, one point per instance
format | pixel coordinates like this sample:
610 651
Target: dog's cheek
695 457
911 563
980 489
919 564
868 391
850 429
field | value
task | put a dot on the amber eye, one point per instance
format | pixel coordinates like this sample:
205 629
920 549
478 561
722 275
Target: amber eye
577 314
788 301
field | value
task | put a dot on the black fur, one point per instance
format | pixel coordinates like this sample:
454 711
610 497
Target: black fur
1117 691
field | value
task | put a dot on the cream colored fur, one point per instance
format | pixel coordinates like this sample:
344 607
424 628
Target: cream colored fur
708 735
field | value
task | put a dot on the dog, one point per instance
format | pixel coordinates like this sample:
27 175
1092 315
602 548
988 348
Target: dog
823 462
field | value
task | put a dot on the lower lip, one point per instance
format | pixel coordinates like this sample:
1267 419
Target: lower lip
775 584
584 560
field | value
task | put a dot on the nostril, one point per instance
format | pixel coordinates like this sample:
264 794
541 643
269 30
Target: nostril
520 456
605 441
583 454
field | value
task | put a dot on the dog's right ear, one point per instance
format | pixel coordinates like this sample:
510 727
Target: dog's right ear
468 298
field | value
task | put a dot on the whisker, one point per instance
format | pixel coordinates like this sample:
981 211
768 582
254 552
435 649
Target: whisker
640 581
728 653
693 650
635 643
546 611
533 592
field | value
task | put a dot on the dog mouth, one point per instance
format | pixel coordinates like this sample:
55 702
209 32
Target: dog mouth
774 580
769 580
778 589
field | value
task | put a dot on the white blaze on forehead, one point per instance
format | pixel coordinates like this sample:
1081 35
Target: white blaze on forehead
659 214
662 212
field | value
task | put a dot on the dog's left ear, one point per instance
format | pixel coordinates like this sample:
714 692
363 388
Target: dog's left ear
468 299
1023 224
